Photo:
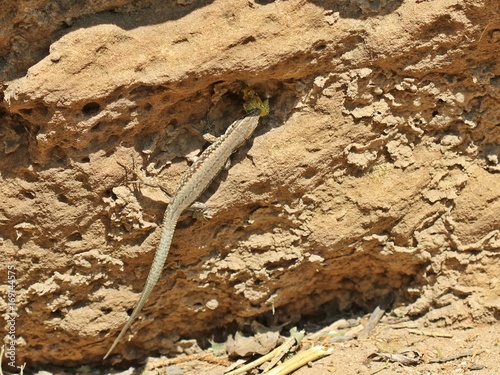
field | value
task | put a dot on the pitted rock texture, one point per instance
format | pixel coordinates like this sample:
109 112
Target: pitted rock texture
377 169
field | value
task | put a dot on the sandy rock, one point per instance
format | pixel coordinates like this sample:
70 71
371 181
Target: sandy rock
376 170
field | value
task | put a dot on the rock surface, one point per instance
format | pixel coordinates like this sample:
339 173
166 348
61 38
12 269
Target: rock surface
377 169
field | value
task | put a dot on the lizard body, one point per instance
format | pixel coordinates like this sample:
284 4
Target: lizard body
192 184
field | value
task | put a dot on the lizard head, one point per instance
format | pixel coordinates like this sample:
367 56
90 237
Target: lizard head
253 101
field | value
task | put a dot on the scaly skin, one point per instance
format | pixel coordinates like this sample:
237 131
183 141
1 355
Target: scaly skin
196 179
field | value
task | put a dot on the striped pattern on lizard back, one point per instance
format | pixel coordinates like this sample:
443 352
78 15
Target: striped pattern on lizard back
196 179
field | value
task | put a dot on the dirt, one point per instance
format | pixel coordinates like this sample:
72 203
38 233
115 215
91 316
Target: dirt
459 351
376 171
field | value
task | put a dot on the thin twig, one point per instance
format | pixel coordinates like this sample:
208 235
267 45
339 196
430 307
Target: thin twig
454 357
1 358
277 352
376 316
430 334
387 365
193 357
299 360
285 348
255 363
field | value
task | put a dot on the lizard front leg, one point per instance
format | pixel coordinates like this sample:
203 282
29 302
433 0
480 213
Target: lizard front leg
198 208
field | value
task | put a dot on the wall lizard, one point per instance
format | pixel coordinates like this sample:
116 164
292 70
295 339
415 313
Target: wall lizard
194 181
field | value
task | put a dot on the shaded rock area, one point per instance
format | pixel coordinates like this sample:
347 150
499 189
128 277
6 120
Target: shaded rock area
376 171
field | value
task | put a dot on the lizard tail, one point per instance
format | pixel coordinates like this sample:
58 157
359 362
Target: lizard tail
169 221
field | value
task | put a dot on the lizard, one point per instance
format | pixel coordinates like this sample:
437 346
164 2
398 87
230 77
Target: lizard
192 184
